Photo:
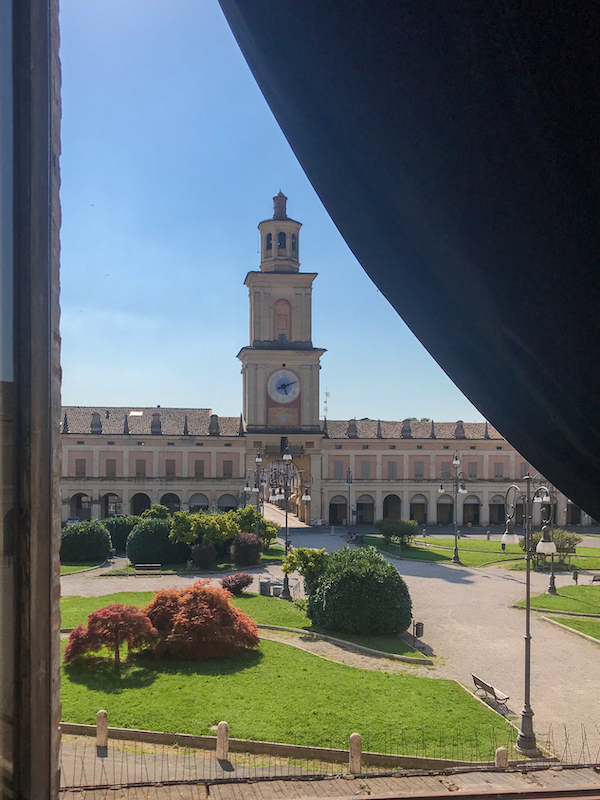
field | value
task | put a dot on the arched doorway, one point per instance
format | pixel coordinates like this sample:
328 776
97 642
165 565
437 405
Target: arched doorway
338 510
445 510
471 510
198 502
497 510
140 502
171 501
81 506
227 502
418 509
392 507
365 510
110 505
573 514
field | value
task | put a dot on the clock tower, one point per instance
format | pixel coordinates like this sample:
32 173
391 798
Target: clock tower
280 367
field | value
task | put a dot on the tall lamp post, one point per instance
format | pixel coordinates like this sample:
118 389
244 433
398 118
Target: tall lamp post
349 485
458 482
526 741
257 473
282 476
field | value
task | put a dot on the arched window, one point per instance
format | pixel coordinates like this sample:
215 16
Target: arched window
281 241
282 319
294 243
269 244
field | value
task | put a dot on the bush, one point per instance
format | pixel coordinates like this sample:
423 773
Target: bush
119 529
246 549
111 627
149 543
86 541
199 623
204 555
309 563
246 519
156 512
360 592
400 530
237 583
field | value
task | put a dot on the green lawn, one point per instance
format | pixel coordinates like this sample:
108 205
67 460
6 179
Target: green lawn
266 610
65 569
582 599
272 555
442 550
283 694
476 552
589 626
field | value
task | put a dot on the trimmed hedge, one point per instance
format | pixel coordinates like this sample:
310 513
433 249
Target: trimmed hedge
119 529
149 543
204 555
237 583
86 541
360 592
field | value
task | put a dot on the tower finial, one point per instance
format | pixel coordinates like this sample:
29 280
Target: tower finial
279 206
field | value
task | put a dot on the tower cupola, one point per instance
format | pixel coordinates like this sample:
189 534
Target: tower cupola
279 239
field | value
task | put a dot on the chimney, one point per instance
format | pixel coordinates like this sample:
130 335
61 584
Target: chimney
155 425
213 426
96 426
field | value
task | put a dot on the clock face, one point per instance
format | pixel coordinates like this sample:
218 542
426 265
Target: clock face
283 386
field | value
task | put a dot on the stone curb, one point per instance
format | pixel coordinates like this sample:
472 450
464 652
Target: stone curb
559 613
87 569
344 642
572 630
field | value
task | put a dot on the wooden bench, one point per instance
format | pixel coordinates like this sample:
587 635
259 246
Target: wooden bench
595 578
147 569
499 696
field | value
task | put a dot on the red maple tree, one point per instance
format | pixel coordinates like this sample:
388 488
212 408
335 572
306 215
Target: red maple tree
111 627
200 623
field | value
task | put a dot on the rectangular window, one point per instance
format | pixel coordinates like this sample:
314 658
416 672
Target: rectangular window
228 469
365 447
472 470
80 467
257 445
446 469
446 447
419 469
140 468
309 445
524 469
392 470
392 447
338 447
365 469
338 470
498 469
198 469
170 468
419 447
111 467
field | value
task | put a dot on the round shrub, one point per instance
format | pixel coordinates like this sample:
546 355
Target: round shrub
149 543
236 583
119 529
204 555
360 592
86 541
246 549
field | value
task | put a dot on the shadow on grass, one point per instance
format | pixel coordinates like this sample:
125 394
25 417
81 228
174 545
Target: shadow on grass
139 670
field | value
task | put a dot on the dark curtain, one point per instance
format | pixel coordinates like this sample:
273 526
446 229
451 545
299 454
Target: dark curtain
456 147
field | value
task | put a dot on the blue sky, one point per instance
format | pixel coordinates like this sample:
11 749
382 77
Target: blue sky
170 159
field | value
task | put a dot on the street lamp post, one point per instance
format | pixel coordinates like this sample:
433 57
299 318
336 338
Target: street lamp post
282 477
257 473
526 741
349 485
458 481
